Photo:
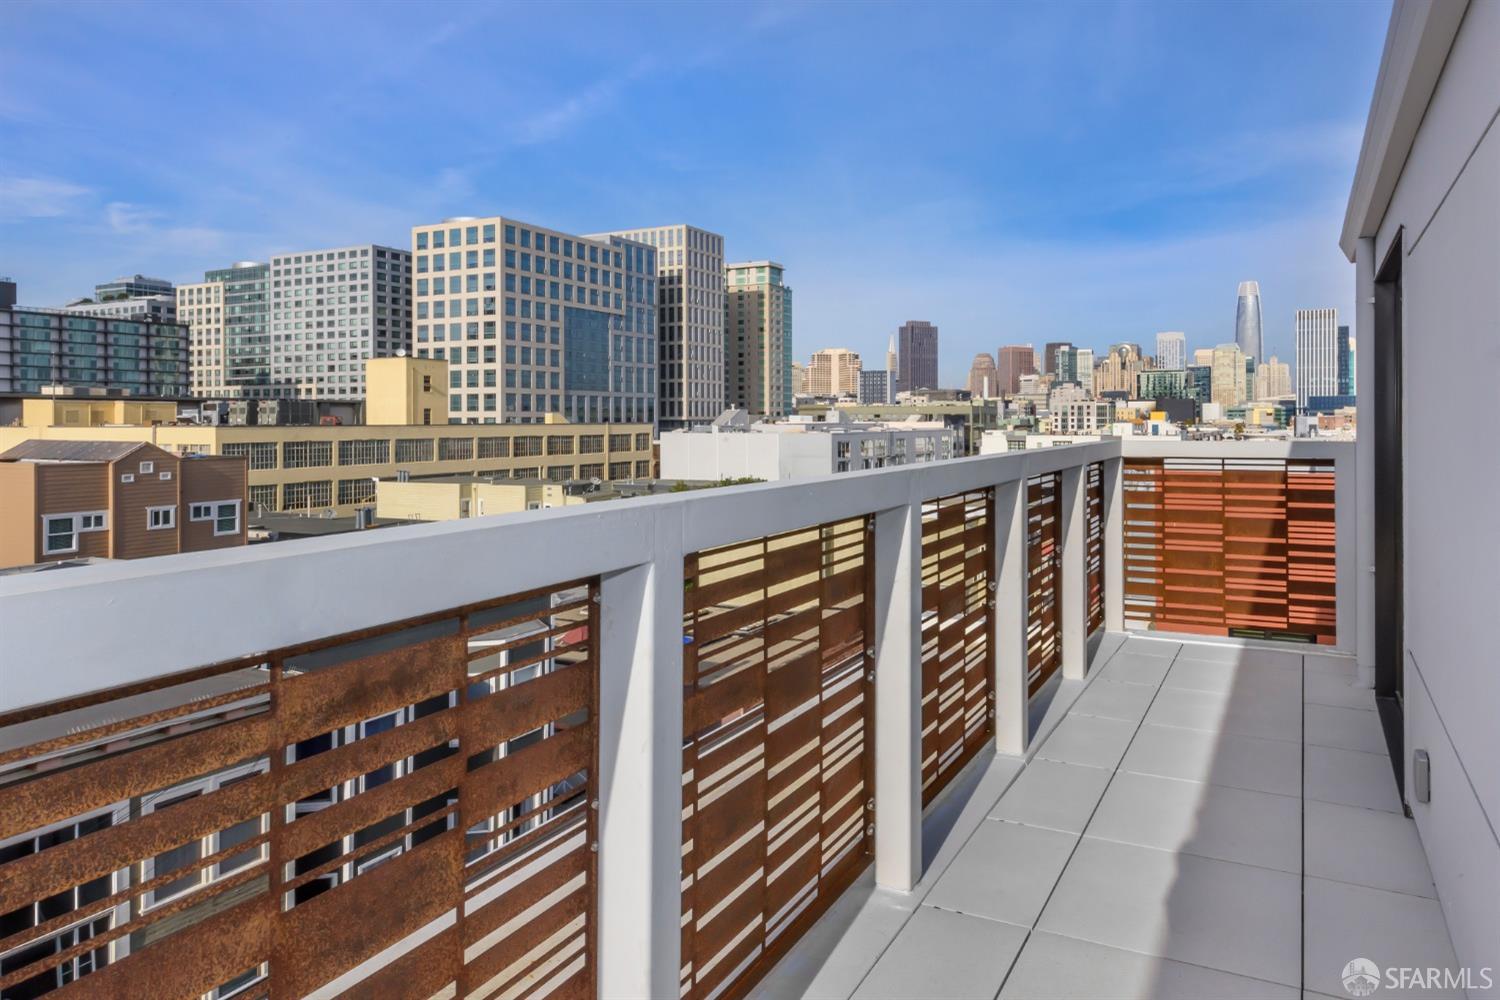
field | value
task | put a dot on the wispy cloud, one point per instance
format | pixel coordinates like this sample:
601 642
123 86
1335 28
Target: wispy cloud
563 117
123 217
39 197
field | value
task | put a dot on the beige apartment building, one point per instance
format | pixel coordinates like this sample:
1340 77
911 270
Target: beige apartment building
758 321
201 307
1227 385
534 321
833 371
1273 379
690 321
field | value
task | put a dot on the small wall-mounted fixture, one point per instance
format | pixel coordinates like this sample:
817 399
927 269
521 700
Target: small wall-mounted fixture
1421 775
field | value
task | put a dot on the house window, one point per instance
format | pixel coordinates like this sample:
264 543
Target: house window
158 518
61 534
147 468
127 477
224 513
164 476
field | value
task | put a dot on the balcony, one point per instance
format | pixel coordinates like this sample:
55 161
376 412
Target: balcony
1078 721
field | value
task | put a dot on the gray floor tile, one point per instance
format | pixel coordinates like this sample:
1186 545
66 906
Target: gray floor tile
1329 688
1351 778
1391 929
1270 686
1211 821
1088 739
1114 700
1136 668
1151 647
1219 652
1273 766
1224 916
1274 717
1329 663
1053 795
944 955
1052 967
1345 728
961 807
1366 847
1005 872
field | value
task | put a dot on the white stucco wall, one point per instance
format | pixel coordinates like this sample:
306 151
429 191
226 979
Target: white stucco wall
1446 206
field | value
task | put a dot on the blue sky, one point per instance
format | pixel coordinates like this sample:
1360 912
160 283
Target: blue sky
1015 173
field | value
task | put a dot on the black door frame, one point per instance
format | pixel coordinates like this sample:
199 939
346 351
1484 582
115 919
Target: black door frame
1385 420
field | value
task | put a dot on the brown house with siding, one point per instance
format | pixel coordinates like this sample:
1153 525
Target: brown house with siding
115 500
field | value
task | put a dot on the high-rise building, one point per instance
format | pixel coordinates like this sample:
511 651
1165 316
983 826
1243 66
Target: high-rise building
1228 385
201 307
1118 371
630 395
690 334
1318 336
1346 362
833 371
983 376
891 361
1273 379
161 308
240 364
1247 327
45 348
1171 351
1049 356
1203 356
875 387
1015 361
758 355
331 311
134 286
1067 365
1200 381
917 356
1083 359
525 317
1162 383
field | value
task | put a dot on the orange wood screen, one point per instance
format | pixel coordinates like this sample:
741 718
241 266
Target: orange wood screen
1093 516
1241 547
274 822
1043 578
778 755
958 683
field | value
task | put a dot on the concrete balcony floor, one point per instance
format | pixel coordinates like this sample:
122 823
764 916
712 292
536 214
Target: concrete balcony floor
1196 820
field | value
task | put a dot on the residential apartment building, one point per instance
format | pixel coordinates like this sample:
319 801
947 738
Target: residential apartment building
1014 362
230 330
41 349
690 333
526 317
627 393
875 386
1171 350
1050 353
1159 384
967 418
1317 333
331 311
133 286
1273 379
1228 376
200 306
115 500
161 308
758 318
1082 416
1083 360
833 371
1119 370
917 356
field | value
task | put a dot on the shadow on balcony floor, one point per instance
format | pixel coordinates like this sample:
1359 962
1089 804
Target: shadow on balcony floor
1197 820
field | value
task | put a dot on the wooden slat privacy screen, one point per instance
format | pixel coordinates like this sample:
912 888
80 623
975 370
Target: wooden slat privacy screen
1093 518
1241 547
958 686
1043 578
274 822
778 749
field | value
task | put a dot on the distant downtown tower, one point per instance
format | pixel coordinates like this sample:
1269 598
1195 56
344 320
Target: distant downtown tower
1247 320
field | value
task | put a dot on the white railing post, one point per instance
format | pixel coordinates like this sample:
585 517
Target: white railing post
1073 589
1012 720
640 762
898 697
1114 544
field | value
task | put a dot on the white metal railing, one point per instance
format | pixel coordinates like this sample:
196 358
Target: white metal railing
80 630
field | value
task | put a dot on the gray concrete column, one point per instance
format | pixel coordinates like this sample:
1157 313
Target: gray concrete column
1012 723
898 697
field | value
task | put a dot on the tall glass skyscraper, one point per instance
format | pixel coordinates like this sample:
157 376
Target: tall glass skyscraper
1247 320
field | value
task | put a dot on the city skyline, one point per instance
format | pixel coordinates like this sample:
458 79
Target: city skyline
1024 208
